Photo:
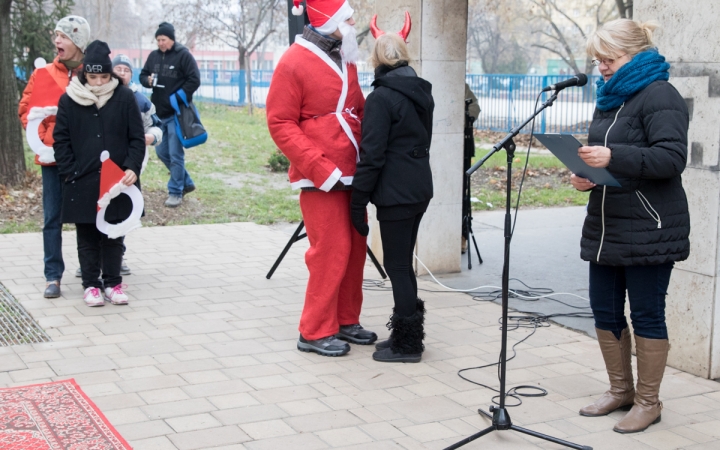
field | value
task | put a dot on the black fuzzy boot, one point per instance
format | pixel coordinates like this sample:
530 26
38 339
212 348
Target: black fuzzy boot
405 339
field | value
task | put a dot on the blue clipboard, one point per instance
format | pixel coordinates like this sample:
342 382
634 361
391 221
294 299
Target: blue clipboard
565 147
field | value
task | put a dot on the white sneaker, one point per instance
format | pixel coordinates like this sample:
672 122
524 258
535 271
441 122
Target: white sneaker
116 296
92 297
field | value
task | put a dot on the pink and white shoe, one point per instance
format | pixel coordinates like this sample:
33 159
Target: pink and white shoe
92 297
116 296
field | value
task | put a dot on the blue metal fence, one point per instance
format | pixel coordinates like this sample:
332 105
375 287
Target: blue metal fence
505 100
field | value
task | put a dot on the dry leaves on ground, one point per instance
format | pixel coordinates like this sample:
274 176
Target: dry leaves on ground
22 203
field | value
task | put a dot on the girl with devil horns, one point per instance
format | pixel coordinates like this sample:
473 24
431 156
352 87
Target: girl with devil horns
394 174
97 117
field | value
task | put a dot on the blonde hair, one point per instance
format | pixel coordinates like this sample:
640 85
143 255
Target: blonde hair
389 50
622 36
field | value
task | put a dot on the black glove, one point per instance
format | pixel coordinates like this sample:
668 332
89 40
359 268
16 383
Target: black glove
358 206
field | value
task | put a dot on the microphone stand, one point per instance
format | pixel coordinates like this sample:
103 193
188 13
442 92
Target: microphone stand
500 417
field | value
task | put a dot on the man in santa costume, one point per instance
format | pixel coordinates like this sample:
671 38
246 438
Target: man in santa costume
314 109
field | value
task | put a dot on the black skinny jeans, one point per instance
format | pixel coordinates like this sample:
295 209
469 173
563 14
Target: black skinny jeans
646 288
98 253
398 242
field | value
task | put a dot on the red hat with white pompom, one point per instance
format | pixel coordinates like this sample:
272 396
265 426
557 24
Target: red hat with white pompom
325 15
111 176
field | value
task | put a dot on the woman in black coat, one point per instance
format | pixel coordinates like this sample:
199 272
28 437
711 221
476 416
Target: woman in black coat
394 174
97 113
634 234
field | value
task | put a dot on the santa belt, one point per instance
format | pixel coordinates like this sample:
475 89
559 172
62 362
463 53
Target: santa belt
342 187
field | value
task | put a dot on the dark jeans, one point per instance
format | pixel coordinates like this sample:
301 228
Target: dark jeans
398 242
646 288
52 227
172 154
98 253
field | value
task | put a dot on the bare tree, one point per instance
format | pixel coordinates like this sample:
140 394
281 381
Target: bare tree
562 33
12 158
116 23
495 31
625 8
243 25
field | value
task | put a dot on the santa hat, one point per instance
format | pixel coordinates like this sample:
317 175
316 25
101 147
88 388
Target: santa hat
110 187
111 176
325 15
43 103
46 91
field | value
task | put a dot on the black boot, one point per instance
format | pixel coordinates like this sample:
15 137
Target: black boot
405 343
420 307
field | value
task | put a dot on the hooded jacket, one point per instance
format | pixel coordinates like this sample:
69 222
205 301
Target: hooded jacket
176 69
396 135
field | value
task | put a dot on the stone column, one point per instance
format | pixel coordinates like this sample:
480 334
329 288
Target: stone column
690 40
437 45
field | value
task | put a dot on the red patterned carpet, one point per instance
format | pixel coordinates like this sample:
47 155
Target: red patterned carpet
54 416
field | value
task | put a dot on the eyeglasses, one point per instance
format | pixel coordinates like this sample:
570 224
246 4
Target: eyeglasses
607 62
118 70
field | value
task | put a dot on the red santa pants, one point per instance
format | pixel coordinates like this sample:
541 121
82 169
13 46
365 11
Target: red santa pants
335 259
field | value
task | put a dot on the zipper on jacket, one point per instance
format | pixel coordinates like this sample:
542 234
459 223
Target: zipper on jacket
602 205
646 204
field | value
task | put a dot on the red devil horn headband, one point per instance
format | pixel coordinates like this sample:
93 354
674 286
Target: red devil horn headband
404 33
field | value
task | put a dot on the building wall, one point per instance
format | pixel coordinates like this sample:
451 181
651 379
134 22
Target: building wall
437 45
690 40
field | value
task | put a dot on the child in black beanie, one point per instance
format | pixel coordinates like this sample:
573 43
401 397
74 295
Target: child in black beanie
96 114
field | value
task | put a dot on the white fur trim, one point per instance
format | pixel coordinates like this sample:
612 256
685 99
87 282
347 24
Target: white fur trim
39 63
301 184
331 180
341 15
104 155
347 181
46 155
37 112
298 10
114 231
114 191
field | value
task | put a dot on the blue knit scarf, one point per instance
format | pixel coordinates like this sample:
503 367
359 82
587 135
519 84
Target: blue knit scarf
643 69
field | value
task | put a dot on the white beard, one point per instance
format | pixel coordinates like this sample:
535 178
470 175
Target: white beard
350 50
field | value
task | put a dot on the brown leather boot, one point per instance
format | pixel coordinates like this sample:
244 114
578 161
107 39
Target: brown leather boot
621 394
651 359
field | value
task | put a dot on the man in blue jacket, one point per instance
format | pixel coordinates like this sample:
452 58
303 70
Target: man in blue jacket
168 69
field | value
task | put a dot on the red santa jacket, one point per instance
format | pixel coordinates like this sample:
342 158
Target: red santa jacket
314 110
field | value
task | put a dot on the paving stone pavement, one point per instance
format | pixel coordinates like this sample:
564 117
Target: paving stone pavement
204 357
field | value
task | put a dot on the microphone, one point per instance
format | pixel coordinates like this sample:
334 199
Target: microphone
578 80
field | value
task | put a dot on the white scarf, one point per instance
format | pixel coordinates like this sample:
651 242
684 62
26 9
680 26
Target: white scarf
86 95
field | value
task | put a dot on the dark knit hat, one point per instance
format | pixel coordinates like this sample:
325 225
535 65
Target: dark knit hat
166 29
97 58
122 60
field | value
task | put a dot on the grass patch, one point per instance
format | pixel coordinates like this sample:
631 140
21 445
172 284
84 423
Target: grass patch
235 183
547 182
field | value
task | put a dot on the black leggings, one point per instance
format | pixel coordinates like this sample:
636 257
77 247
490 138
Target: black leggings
98 253
398 242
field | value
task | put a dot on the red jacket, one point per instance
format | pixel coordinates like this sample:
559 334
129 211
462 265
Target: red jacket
62 76
314 111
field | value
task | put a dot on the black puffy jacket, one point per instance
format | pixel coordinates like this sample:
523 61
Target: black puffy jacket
646 221
396 134
176 69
